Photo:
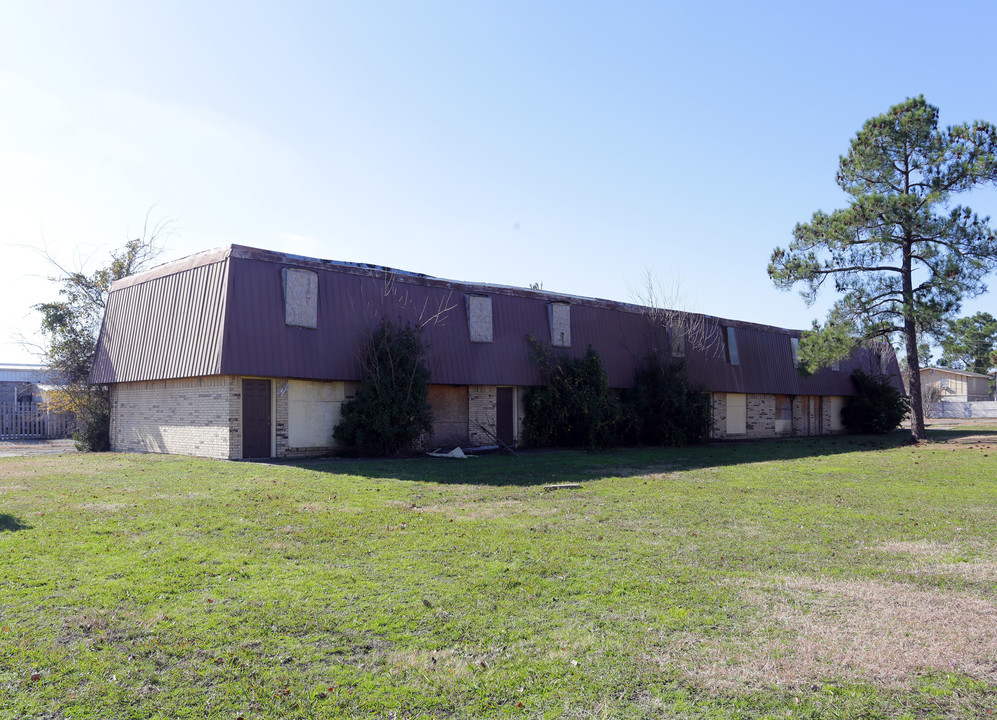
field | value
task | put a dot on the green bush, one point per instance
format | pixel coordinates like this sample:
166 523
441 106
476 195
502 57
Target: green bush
878 407
391 409
663 409
576 407
93 431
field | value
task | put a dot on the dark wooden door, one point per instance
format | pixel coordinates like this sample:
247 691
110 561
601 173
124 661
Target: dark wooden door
504 415
255 418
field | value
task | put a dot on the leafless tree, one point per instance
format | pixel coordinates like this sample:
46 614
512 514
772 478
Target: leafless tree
666 306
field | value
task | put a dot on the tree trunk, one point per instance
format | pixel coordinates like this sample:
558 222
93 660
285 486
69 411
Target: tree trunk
917 430
910 335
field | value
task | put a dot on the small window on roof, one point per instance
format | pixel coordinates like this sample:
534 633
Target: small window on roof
794 343
677 333
300 297
836 365
559 315
479 318
732 356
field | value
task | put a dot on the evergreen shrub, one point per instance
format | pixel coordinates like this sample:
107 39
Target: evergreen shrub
877 408
663 408
575 407
391 409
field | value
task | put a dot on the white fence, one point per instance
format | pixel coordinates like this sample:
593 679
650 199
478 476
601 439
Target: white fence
31 421
950 409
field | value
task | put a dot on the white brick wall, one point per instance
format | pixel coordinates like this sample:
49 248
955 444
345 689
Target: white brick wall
193 416
481 405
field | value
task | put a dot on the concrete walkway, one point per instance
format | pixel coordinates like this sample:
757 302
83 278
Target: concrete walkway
20 448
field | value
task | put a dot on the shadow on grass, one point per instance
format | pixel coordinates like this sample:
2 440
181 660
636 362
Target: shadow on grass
9 523
555 466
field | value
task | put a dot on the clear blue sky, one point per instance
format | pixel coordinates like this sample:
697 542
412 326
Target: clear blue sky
508 142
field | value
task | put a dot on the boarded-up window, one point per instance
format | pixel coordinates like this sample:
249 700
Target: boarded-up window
737 413
313 409
560 324
479 318
732 356
794 344
783 413
300 298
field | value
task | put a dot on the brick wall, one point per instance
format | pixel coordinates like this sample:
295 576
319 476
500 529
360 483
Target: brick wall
520 410
719 429
280 413
193 416
761 416
808 411
481 406
826 412
799 421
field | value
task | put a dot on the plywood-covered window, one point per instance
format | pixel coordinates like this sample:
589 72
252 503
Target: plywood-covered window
479 318
737 413
783 413
559 315
300 297
313 410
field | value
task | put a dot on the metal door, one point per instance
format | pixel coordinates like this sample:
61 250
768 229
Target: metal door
255 418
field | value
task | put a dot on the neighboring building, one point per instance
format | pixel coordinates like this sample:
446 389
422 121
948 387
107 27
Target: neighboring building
23 384
950 385
239 352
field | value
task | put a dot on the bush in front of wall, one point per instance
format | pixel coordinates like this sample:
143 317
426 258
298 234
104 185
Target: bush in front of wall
391 409
93 431
576 407
664 409
878 407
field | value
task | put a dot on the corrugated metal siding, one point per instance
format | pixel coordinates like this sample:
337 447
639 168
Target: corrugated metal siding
167 327
228 318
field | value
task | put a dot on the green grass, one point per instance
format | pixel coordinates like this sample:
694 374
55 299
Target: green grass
812 578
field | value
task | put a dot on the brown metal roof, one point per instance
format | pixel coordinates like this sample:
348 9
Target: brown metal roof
169 326
222 312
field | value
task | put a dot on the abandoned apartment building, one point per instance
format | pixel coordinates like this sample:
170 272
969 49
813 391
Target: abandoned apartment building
245 353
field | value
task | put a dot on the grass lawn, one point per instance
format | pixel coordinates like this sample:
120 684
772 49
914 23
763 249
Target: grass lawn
813 578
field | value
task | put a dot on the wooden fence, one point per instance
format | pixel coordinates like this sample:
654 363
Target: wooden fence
32 421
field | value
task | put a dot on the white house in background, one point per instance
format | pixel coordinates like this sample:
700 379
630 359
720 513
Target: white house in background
956 385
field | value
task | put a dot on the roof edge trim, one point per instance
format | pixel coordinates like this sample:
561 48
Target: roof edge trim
207 257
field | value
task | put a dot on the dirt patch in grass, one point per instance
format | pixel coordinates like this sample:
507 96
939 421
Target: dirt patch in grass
806 631
491 510
945 559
